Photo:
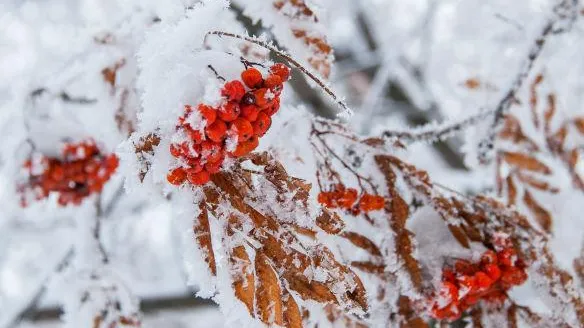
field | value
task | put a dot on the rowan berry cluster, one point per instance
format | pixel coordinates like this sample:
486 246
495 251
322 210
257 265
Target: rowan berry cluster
82 171
231 129
348 199
466 283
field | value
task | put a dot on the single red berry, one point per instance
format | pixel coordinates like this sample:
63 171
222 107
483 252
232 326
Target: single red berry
483 280
348 198
211 151
325 199
281 70
213 167
252 77
273 107
195 135
208 113
216 131
369 203
250 112
175 150
513 276
199 178
245 147
493 271
177 176
263 97
229 111
273 81
233 90
242 129
261 124
195 165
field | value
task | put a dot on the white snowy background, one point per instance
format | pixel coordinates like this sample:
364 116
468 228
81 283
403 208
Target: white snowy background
399 64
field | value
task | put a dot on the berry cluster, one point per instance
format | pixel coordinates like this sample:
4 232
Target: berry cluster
81 171
346 198
232 129
467 283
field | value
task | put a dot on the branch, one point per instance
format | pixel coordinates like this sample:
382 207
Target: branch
486 145
564 11
435 132
346 110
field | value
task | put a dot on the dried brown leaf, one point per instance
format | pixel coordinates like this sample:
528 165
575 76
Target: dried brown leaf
202 234
362 242
292 316
244 281
542 216
268 292
330 222
525 162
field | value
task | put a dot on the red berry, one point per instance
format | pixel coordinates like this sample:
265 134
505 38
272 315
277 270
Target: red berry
274 107
348 198
261 124
252 77
213 167
250 112
483 280
245 147
216 131
229 111
242 129
369 203
175 150
325 198
211 151
493 271
281 70
273 81
233 90
195 165
199 178
195 135
262 97
208 113
513 276
177 176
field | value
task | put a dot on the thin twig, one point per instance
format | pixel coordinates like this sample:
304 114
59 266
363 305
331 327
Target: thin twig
439 132
486 145
97 230
318 81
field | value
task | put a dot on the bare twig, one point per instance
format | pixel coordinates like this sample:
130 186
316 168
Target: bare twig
431 132
97 230
486 145
346 110
565 13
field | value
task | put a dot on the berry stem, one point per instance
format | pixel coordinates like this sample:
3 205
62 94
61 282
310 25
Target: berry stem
338 101
216 74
